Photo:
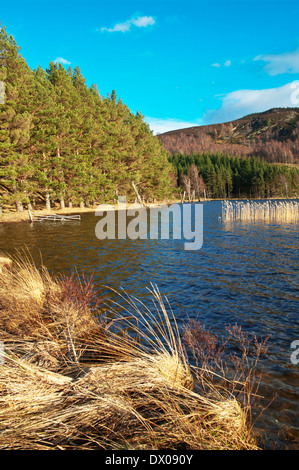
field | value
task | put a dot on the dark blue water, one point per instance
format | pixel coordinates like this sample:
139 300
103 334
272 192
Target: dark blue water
246 274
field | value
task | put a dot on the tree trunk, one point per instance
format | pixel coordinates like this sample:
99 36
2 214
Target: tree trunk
70 204
20 207
287 192
137 194
62 204
48 203
82 204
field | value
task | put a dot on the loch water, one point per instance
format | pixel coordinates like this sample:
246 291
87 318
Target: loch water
244 274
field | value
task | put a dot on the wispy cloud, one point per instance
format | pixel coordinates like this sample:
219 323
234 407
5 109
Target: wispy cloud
241 102
160 125
61 60
138 22
227 63
288 62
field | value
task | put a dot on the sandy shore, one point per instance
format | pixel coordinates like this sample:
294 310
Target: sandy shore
14 216
11 216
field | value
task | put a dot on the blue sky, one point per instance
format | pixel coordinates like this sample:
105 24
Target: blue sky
180 63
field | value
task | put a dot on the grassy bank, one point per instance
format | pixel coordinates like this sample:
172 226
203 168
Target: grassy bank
82 374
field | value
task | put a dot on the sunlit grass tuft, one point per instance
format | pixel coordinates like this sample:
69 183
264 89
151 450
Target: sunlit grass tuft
83 374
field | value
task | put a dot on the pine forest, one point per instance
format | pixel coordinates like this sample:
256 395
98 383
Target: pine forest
215 175
62 142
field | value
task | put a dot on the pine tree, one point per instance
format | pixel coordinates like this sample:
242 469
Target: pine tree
60 140
15 122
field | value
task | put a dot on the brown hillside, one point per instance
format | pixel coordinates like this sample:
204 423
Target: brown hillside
272 135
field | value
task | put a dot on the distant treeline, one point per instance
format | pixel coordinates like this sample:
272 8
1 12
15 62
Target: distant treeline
224 176
62 141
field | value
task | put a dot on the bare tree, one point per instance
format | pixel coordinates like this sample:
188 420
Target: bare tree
197 185
186 186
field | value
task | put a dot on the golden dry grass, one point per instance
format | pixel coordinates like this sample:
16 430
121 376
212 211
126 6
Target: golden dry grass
281 212
75 377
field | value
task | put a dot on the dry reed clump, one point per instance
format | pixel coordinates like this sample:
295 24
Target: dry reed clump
76 379
21 297
43 317
5 263
268 212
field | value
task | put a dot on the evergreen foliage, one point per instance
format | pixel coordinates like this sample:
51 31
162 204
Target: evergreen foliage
223 176
61 141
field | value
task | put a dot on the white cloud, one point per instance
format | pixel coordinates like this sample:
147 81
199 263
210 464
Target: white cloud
61 60
241 102
139 22
143 21
234 106
160 125
287 62
227 63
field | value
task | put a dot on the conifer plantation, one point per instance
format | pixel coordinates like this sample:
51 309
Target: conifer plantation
61 141
223 176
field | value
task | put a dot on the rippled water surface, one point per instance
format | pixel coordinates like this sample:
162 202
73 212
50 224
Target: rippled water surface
244 273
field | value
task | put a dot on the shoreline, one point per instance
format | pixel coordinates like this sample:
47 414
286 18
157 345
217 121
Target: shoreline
14 216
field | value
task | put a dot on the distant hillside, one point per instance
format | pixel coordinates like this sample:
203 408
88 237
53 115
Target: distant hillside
272 135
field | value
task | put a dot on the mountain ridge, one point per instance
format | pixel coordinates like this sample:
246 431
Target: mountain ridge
272 135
